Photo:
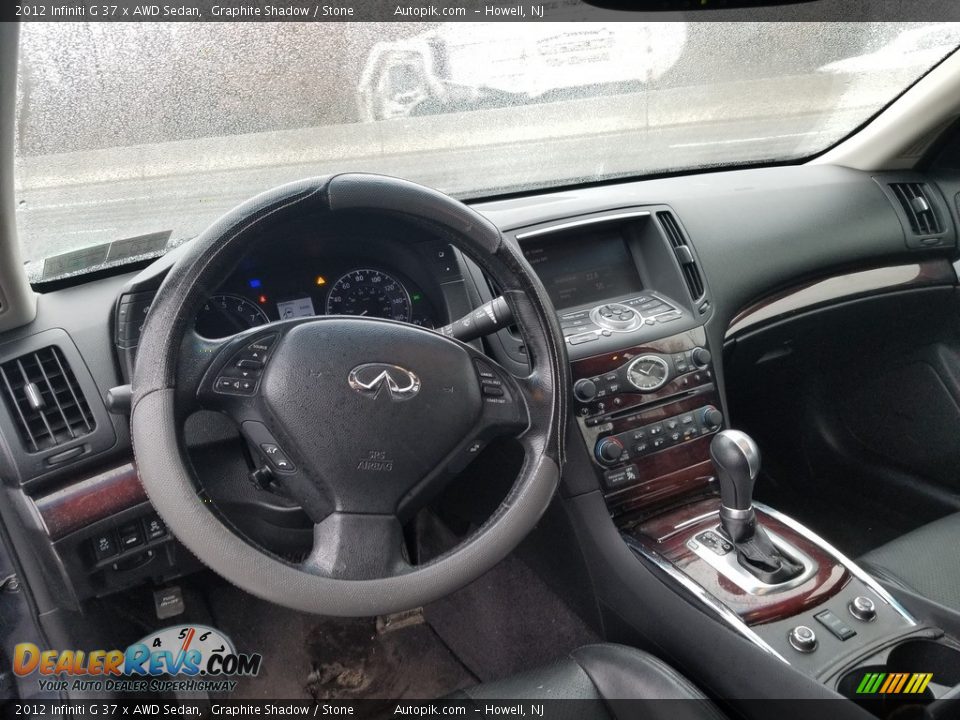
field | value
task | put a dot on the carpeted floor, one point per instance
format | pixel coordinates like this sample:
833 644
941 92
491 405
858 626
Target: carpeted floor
507 621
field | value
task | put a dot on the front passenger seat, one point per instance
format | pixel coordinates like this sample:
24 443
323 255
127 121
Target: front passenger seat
605 672
924 561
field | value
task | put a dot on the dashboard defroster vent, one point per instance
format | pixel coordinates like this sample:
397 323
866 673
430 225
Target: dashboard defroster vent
918 207
45 400
688 263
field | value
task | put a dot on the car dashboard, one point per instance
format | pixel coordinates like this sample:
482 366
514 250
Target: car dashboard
650 280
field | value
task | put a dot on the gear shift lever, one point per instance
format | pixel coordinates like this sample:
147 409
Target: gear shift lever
737 461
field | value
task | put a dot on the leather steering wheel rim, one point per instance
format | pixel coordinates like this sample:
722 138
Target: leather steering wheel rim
159 400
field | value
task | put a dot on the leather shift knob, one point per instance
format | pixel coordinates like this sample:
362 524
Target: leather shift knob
737 461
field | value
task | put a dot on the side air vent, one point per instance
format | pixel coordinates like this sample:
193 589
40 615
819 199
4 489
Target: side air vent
44 399
919 208
688 263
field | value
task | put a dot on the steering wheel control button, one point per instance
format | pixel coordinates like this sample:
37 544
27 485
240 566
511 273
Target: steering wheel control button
863 608
802 639
241 375
278 461
235 386
835 625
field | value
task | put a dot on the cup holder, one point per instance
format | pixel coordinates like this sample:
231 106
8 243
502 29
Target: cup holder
913 656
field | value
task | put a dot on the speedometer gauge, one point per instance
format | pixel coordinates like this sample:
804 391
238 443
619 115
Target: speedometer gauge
372 293
224 315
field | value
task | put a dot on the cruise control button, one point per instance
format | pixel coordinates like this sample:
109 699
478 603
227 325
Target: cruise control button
492 391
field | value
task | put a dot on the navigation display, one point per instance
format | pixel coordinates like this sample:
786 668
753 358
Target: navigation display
582 269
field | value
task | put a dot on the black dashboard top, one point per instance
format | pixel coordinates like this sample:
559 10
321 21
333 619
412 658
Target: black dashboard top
750 232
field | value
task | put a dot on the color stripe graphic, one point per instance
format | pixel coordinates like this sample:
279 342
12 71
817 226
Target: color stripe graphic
894 683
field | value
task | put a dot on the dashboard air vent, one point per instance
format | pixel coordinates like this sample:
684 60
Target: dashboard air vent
45 399
688 264
919 209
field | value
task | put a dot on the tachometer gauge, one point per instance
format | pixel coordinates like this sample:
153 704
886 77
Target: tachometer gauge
224 315
372 293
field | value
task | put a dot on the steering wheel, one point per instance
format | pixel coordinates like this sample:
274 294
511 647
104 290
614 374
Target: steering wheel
361 420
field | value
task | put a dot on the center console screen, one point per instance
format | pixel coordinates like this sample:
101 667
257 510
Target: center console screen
585 268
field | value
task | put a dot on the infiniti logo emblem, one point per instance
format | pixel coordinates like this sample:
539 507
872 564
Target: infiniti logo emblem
373 378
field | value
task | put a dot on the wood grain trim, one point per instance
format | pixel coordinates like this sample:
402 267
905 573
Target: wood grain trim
89 500
668 533
842 287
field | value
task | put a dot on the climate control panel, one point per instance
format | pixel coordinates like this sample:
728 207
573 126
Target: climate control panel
649 438
646 414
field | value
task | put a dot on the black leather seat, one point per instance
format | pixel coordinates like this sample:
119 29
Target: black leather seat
605 673
924 561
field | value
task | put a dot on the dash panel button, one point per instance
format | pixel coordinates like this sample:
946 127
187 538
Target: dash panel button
835 625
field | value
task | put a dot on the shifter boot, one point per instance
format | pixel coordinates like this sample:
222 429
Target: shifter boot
756 553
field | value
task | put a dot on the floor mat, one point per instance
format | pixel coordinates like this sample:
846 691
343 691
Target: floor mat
310 657
506 622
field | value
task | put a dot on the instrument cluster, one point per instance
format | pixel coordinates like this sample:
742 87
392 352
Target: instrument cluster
257 295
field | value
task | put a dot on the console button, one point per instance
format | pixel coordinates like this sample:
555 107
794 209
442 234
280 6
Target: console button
609 450
130 536
668 317
835 625
863 608
715 542
701 357
621 476
582 338
154 527
105 545
585 390
711 418
802 639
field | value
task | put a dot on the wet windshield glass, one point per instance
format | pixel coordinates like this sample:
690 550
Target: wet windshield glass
131 138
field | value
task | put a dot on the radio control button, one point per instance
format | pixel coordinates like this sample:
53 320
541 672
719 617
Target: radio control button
585 390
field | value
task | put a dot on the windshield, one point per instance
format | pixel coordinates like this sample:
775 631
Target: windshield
132 138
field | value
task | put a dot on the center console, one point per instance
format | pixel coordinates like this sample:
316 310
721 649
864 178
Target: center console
632 304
